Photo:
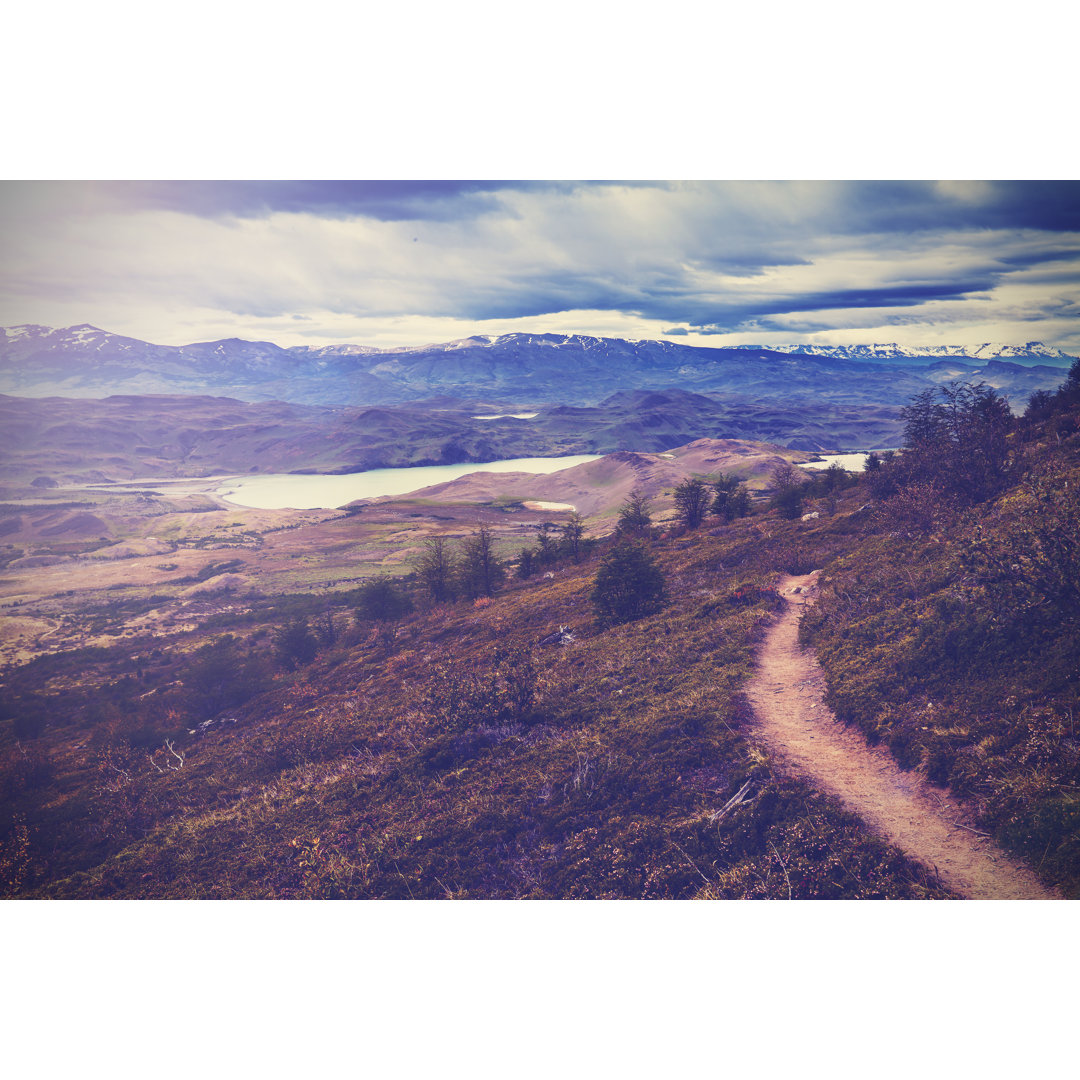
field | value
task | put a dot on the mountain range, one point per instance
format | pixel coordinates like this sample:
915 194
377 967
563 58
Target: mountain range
1034 352
86 362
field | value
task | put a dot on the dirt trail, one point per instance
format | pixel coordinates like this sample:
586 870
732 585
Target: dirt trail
927 824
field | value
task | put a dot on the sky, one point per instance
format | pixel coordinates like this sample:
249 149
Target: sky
391 263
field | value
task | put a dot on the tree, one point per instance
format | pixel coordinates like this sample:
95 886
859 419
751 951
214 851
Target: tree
435 569
525 563
294 644
1041 405
547 551
382 600
1069 391
634 515
787 490
572 533
628 585
480 571
834 478
731 500
789 501
692 502
956 438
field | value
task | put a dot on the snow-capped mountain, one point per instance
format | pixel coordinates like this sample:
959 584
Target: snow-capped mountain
85 361
1032 352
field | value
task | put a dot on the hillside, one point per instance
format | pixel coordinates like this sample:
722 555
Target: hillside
68 440
600 487
474 752
513 747
274 739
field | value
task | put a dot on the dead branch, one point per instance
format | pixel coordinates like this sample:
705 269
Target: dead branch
740 796
969 829
168 766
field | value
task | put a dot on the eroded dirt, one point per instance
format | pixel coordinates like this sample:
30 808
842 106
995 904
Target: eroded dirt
795 725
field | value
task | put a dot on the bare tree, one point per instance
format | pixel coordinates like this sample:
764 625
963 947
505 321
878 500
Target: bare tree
435 569
572 533
481 573
692 500
634 515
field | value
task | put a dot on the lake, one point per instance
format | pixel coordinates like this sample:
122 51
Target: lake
851 462
282 491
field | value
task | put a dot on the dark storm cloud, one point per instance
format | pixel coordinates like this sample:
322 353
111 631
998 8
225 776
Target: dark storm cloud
724 318
898 206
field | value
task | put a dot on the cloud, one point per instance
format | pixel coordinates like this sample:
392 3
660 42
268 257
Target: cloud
694 257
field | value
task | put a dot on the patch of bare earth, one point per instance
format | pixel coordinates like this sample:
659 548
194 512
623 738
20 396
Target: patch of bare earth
795 725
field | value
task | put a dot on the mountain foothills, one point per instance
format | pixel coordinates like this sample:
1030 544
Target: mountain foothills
83 361
162 411
66 440
464 694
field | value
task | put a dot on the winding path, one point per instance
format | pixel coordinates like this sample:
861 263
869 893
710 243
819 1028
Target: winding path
797 727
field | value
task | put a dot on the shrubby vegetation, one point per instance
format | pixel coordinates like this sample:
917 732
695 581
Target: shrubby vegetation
951 633
514 748
536 742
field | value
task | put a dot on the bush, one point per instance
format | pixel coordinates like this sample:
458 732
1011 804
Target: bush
628 585
382 600
462 698
294 644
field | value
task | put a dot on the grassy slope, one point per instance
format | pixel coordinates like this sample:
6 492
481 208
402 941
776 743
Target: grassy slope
952 642
351 779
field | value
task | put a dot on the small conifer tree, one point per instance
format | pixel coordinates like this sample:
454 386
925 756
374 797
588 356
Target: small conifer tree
628 585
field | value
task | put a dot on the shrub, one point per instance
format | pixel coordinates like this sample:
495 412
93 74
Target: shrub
794 559
382 600
294 644
462 698
628 585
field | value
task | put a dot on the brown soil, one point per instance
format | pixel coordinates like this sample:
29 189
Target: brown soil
902 807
